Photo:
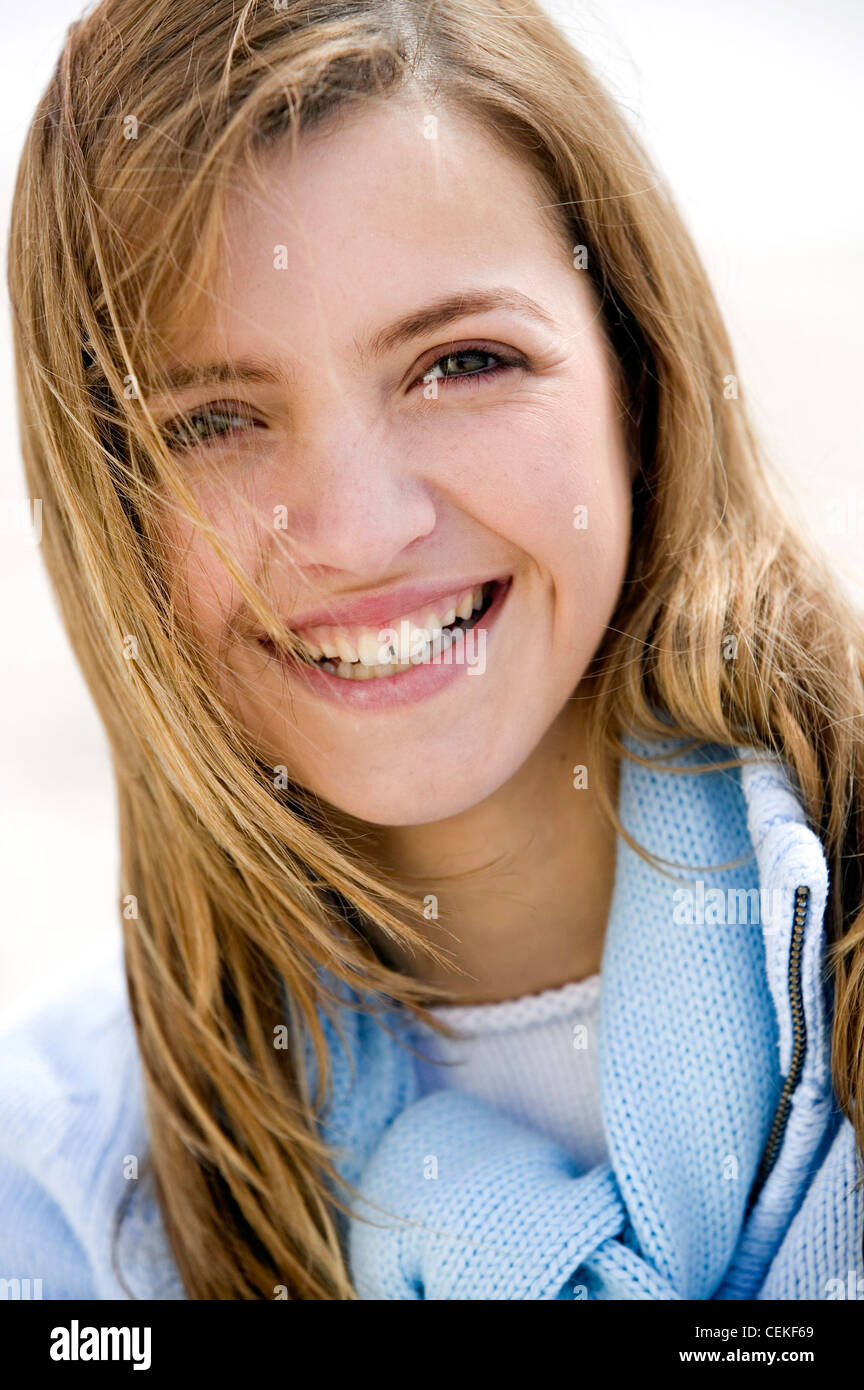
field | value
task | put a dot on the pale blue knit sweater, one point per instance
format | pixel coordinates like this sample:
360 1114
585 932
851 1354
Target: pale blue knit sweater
721 1182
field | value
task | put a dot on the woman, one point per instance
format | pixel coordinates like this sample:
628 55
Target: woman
361 346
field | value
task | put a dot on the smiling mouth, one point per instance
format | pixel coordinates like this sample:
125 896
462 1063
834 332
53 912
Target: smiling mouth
412 645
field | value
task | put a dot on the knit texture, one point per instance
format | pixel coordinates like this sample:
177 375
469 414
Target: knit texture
458 1200
533 1058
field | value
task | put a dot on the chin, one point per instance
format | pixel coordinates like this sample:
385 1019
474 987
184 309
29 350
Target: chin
420 803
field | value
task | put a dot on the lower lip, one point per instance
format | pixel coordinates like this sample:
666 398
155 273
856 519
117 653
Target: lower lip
386 692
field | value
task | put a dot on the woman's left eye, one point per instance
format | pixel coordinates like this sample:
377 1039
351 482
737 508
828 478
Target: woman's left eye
470 362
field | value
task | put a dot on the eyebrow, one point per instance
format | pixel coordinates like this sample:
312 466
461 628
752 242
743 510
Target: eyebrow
437 314
443 311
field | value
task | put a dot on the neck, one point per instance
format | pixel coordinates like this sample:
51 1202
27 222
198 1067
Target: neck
523 880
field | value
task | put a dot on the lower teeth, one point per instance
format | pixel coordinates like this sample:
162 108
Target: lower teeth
356 671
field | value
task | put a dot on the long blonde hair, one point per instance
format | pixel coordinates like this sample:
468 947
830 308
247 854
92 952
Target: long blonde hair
237 891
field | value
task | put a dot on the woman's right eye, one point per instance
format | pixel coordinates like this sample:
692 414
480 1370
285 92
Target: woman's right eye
204 425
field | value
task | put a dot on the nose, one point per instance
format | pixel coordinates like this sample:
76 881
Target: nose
351 500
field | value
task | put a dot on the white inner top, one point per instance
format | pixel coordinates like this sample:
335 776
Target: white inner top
534 1058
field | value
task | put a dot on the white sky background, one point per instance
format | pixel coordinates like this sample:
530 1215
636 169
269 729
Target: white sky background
752 111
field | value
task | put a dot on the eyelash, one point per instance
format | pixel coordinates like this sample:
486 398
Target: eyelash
504 363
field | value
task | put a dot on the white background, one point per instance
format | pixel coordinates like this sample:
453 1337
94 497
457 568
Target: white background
751 110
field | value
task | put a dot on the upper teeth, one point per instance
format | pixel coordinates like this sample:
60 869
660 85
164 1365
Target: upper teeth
364 644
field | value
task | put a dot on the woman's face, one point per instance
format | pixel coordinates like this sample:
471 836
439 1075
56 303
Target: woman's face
436 427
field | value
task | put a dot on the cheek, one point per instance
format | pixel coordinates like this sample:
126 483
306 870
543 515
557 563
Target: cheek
552 478
205 594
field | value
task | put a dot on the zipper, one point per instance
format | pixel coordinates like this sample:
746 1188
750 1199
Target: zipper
799 1044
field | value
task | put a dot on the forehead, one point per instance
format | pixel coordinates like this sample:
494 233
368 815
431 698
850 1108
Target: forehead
383 207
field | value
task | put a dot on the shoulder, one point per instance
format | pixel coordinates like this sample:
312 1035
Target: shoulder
71 1110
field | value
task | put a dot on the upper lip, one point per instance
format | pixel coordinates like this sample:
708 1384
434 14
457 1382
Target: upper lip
378 609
